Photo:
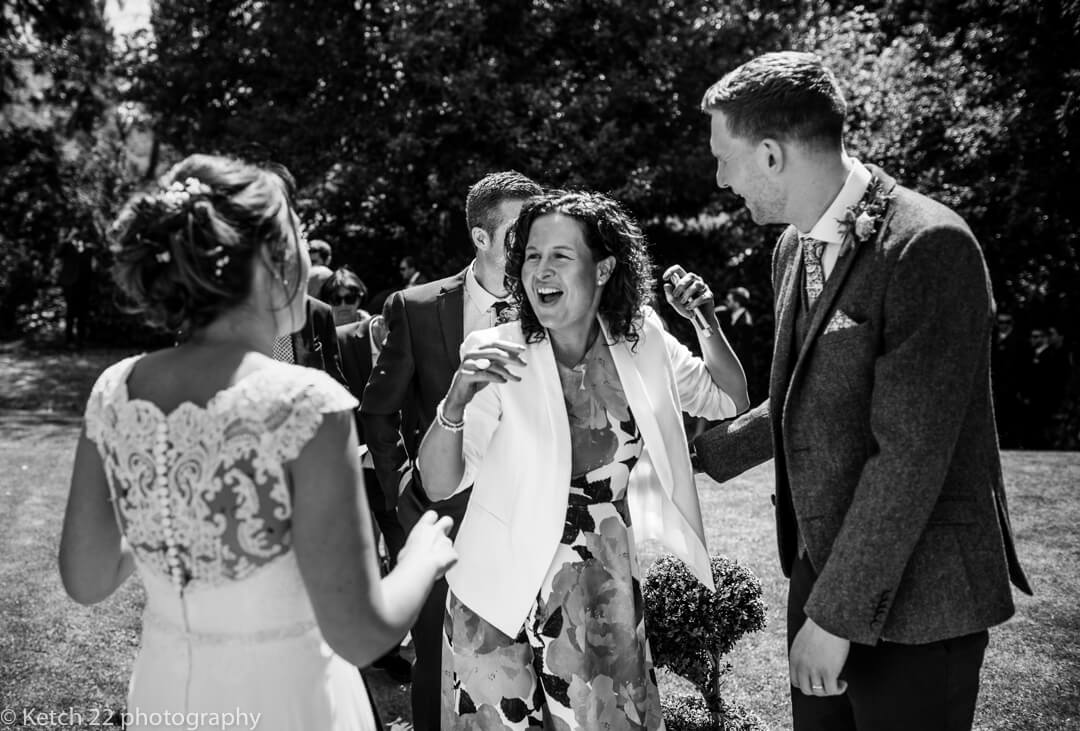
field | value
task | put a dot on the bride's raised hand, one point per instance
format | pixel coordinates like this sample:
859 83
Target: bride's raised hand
429 540
489 363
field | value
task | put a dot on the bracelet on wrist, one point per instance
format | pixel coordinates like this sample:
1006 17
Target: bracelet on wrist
441 420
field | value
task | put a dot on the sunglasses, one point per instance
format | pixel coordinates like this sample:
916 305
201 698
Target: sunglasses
344 299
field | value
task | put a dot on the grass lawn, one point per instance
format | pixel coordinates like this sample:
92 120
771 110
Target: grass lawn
55 654
1031 676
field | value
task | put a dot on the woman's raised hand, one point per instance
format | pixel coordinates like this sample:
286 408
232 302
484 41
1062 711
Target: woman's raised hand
429 540
488 363
686 291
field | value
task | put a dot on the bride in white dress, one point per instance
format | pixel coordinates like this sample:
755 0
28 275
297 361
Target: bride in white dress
230 482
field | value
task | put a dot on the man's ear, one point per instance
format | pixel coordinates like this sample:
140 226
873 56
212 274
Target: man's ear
480 238
771 156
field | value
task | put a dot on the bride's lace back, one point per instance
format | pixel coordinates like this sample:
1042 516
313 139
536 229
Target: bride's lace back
200 493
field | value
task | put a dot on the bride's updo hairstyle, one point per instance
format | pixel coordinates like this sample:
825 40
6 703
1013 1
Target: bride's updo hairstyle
184 254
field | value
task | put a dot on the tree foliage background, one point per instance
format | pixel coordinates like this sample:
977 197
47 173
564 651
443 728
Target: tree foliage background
386 111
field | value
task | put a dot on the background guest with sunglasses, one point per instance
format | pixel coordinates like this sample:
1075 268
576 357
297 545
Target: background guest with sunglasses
345 292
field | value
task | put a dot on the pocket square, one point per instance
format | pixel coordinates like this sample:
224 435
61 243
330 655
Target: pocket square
840 321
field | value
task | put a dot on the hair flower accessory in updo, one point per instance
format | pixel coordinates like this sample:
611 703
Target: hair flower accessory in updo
185 249
178 194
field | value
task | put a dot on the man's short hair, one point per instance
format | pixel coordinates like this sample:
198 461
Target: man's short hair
485 195
318 246
784 96
740 295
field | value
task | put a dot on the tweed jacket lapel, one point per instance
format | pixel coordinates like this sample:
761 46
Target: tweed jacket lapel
450 305
787 300
825 305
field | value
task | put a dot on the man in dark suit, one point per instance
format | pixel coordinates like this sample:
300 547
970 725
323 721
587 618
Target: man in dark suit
738 326
354 342
315 344
1044 384
891 515
427 324
411 276
1006 377
737 323
75 275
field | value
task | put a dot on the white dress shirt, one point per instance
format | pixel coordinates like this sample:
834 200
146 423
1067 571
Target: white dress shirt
827 228
479 310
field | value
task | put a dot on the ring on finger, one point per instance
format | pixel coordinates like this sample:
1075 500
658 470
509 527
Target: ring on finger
481 364
816 686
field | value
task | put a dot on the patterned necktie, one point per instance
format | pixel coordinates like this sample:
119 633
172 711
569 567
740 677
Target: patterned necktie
502 311
283 349
815 270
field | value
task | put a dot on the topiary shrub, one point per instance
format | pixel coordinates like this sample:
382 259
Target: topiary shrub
690 630
686 712
689 712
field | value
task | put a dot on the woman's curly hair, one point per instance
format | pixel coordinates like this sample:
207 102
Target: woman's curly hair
609 231
184 254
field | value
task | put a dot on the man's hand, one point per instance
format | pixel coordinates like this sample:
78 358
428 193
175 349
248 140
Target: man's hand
816 660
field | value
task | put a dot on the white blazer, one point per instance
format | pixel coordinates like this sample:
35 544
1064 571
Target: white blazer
517 458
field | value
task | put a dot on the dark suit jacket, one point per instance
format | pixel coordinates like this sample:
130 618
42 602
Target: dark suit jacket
883 434
1045 380
412 374
354 342
315 345
739 333
1007 361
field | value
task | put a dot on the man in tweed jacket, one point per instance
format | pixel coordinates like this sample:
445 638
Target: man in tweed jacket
891 516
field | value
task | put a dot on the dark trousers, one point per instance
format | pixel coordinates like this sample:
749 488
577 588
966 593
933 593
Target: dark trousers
891 687
385 520
76 312
427 632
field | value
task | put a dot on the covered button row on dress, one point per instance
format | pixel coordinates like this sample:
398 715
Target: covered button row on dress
161 488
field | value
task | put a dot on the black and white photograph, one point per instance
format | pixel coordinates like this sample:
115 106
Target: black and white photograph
584 365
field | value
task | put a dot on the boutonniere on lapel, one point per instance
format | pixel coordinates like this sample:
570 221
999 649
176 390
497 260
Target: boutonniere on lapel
862 220
507 313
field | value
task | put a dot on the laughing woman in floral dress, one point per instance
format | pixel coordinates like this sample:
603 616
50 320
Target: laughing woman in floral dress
546 419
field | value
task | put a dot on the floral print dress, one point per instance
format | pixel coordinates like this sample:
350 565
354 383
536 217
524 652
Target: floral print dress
581 660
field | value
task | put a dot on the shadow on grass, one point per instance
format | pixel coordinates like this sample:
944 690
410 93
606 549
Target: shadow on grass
49 379
17 424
